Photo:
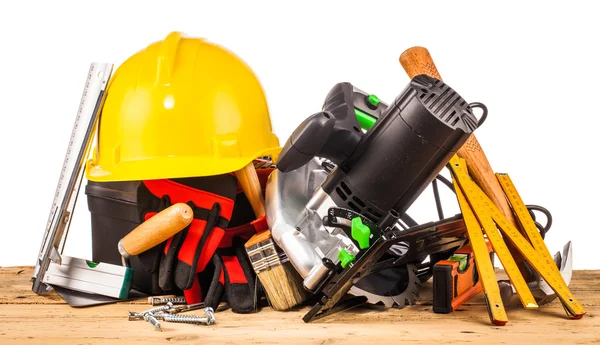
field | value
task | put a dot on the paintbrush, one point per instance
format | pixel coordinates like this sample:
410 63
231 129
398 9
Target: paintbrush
282 284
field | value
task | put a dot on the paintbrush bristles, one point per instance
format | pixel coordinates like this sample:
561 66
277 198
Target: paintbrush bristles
281 283
283 287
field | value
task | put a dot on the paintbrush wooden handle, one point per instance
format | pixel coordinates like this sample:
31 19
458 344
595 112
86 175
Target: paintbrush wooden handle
248 179
417 60
259 237
156 230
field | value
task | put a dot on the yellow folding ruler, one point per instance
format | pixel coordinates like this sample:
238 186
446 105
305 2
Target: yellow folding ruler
479 213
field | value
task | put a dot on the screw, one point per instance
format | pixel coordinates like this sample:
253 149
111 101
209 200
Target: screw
187 307
153 321
138 316
208 320
184 319
165 300
168 306
210 315
135 316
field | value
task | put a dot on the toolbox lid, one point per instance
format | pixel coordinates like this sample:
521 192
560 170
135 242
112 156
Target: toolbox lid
122 191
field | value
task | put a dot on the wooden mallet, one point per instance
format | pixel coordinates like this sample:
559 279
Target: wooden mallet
417 60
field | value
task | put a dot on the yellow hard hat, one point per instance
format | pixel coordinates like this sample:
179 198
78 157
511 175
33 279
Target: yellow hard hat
182 107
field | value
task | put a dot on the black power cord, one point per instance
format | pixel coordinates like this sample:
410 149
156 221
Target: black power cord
543 229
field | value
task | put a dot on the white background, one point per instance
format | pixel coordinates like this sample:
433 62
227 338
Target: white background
535 65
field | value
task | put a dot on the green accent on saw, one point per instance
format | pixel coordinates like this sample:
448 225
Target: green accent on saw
91 264
373 99
462 260
345 258
365 120
127 281
361 233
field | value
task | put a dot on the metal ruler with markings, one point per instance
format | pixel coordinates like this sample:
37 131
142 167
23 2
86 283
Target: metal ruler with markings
72 172
480 213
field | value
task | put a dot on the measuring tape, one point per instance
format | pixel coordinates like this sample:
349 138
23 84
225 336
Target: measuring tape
72 171
490 217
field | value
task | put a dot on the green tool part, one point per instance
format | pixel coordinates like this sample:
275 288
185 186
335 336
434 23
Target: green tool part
345 258
360 233
365 120
462 260
374 100
91 264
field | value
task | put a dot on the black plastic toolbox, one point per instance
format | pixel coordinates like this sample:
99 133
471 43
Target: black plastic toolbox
113 208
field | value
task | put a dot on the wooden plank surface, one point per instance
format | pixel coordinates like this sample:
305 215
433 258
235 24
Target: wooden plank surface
26 318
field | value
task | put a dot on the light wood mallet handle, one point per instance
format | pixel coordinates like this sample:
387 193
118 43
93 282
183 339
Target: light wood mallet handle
417 60
156 230
248 179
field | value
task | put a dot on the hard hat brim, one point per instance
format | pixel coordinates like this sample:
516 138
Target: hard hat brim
172 167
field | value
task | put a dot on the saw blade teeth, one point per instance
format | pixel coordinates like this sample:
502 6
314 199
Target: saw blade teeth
388 303
394 301
407 297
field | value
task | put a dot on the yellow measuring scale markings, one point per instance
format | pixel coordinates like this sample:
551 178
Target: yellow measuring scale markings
486 221
483 262
479 212
536 252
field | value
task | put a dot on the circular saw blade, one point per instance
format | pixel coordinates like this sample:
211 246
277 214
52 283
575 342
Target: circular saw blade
393 287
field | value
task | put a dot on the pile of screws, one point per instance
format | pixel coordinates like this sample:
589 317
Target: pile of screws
168 311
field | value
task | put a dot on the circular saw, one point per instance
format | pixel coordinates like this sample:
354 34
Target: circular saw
393 287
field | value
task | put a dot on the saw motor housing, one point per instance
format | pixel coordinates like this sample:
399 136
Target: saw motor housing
377 173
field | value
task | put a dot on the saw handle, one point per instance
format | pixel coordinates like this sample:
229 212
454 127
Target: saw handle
417 60
156 230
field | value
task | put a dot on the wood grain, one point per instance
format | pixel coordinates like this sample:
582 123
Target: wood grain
258 238
28 319
157 229
417 60
248 179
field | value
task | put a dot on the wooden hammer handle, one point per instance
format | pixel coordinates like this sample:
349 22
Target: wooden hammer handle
417 60
248 179
156 230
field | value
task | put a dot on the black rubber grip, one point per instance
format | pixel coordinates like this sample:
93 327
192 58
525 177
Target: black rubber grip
442 289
